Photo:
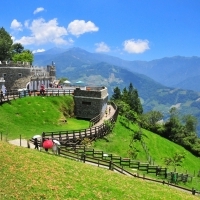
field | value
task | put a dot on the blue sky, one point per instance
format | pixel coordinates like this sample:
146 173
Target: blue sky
129 29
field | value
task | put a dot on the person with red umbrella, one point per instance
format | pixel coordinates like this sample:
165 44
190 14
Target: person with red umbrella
47 144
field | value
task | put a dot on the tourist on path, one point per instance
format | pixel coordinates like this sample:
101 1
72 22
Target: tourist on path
36 143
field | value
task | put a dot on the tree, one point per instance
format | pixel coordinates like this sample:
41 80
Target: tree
137 136
131 116
62 79
125 96
25 56
116 94
150 120
133 100
17 48
122 106
173 127
5 45
190 123
176 160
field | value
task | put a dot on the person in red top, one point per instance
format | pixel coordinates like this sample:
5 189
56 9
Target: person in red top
42 89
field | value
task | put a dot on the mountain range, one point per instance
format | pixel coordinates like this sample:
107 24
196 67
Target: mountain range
161 83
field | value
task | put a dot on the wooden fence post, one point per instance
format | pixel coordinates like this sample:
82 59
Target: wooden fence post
20 140
143 176
138 165
198 174
165 172
84 157
193 191
110 165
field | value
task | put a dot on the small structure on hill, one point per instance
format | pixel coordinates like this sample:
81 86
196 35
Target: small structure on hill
90 102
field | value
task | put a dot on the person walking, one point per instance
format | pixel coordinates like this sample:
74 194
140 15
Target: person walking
36 144
2 96
109 110
106 112
55 148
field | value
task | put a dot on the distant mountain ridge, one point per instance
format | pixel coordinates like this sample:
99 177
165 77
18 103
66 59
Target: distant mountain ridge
180 72
103 70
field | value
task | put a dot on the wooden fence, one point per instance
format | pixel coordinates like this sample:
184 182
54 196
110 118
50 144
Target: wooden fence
124 162
111 165
74 137
172 177
12 95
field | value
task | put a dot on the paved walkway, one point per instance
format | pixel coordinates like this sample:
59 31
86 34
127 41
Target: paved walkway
23 143
106 116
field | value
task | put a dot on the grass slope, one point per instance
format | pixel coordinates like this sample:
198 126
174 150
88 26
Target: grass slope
29 174
33 115
159 147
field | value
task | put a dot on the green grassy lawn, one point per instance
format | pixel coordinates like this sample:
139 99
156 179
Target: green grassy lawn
33 115
30 174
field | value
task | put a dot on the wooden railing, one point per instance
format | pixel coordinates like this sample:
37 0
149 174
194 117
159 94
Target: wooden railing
12 95
74 137
111 165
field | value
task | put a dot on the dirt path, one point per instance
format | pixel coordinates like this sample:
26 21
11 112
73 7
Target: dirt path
23 143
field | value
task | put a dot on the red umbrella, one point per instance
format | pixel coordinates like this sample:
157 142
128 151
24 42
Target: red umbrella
48 144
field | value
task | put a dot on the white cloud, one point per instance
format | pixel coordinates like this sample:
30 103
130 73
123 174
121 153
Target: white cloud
78 27
102 47
40 9
44 32
136 46
16 25
13 38
38 50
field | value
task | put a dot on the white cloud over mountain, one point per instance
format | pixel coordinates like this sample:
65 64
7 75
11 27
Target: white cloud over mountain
136 46
44 32
78 27
102 47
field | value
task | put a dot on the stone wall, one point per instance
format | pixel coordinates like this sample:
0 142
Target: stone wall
96 92
89 104
13 74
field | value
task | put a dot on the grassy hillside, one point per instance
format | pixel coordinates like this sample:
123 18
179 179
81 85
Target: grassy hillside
30 116
159 147
33 115
29 174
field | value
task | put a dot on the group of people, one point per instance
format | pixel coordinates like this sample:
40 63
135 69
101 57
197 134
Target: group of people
55 147
53 85
108 111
